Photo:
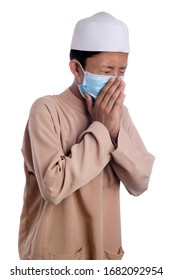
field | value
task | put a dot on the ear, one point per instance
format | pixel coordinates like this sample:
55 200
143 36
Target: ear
74 67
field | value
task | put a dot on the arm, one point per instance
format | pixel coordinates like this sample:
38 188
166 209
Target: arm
59 175
131 161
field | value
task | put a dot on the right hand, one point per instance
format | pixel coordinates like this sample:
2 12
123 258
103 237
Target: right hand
108 106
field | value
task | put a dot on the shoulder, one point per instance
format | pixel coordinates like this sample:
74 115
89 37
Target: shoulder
47 103
42 104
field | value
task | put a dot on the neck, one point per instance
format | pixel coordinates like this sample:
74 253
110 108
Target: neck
75 91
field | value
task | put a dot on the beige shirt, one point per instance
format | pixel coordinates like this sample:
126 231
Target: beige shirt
73 171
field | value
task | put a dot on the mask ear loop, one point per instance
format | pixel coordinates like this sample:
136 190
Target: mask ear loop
83 95
78 85
81 68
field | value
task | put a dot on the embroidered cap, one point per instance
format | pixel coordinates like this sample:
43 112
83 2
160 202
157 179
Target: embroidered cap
101 32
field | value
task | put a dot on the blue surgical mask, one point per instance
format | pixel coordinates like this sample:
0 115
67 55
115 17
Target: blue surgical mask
93 83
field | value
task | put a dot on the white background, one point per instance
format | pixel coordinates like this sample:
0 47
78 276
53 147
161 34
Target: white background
35 41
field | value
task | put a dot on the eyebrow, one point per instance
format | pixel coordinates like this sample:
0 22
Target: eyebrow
112 67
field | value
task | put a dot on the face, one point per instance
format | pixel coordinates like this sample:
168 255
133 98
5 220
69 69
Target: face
107 63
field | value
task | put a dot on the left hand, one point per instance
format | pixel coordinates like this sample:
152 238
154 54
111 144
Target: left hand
108 106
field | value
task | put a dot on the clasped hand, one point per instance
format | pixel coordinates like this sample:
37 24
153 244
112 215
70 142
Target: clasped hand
108 106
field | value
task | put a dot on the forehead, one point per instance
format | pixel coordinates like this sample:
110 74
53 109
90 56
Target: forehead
113 59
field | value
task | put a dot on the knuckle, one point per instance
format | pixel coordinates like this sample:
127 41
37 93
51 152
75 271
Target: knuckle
107 111
102 106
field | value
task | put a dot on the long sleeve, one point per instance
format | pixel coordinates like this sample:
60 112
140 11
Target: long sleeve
57 174
131 161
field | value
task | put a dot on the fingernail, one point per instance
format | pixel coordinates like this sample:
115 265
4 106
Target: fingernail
111 80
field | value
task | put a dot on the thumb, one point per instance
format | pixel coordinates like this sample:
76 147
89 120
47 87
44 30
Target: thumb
89 103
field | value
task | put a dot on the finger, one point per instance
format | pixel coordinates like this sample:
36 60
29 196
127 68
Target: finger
111 97
89 103
119 103
113 92
120 99
114 88
116 99
106 88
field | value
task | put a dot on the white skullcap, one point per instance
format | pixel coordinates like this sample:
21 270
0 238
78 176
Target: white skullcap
101 32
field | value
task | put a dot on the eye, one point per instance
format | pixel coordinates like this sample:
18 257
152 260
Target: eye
105 72
122 72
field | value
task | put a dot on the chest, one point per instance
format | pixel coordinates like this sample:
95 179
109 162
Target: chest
72 124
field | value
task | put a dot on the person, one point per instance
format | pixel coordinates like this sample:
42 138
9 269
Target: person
78 147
